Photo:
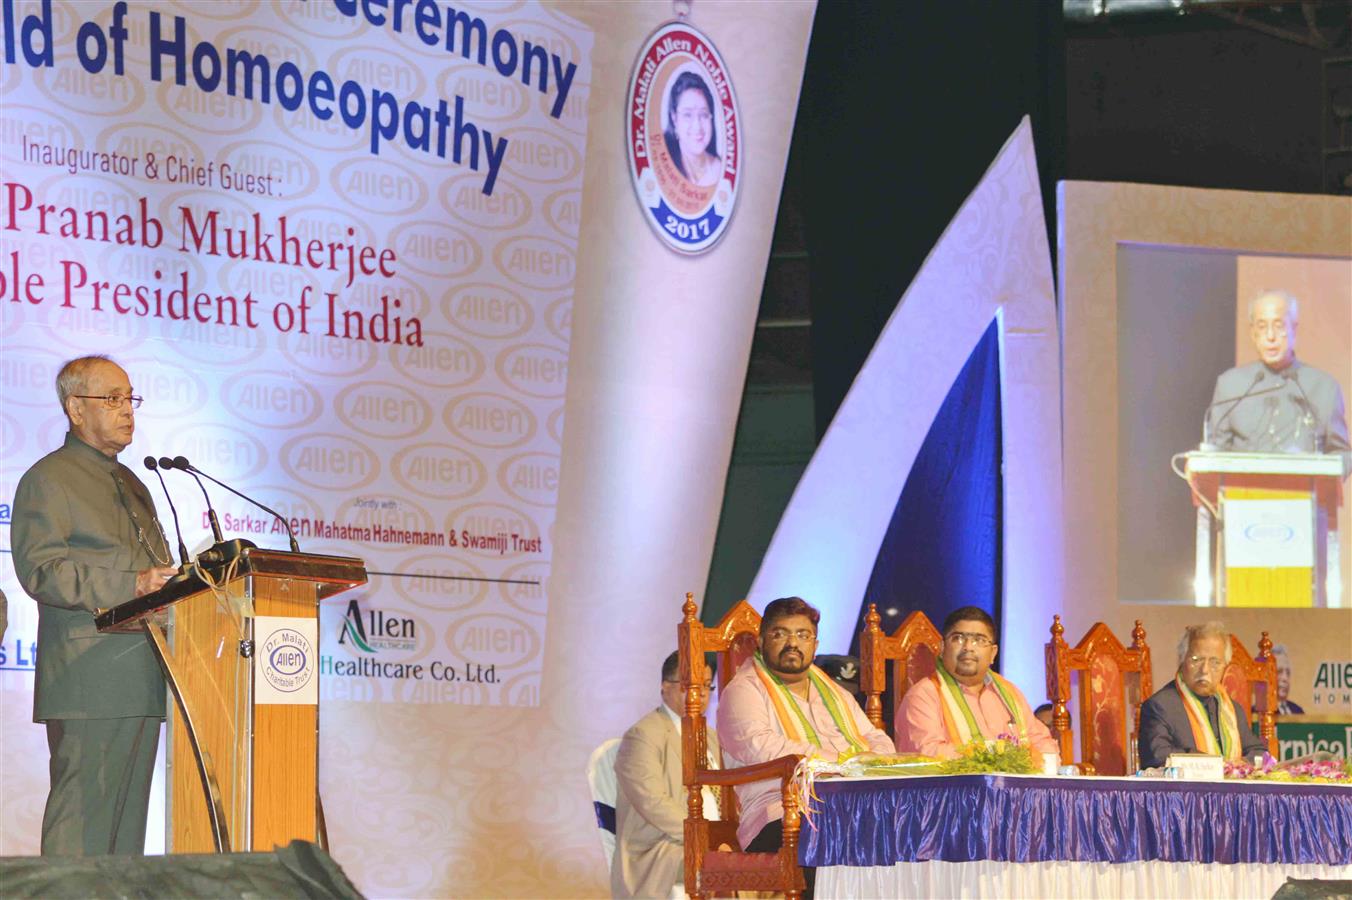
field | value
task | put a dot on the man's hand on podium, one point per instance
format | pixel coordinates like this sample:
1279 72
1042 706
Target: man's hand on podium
152 579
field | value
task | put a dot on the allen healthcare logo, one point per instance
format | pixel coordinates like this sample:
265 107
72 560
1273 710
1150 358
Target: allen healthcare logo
684 136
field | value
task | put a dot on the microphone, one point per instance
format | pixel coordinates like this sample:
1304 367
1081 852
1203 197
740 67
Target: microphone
180 462
167 463
1312 414
1208 429
182 547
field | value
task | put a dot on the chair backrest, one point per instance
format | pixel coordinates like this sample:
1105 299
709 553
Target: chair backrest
1253 683
604 791
1113 682
733 641
912 651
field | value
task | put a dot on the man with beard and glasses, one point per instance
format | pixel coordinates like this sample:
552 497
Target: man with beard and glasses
780 703
964 700
1192 713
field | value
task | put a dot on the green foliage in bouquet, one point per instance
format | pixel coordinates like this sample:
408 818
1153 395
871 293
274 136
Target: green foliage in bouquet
991 757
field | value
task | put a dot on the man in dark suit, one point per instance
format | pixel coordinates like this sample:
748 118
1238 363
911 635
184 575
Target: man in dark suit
85 537
1192 713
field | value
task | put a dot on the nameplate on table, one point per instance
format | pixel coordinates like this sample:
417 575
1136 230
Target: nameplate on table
1197 766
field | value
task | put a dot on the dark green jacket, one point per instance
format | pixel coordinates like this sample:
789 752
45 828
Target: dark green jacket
83 525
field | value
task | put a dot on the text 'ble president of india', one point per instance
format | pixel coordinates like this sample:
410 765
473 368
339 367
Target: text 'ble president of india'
84 538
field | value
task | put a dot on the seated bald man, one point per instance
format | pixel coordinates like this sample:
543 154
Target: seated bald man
964 700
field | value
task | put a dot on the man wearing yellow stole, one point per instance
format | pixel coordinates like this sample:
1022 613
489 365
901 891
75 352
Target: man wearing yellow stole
780 703
1192 713
964 701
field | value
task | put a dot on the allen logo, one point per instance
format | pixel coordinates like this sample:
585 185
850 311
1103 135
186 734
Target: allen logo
435 249
221 449
329 461
536 262
534 369
217 113
443 361
376 630
102 94
490 420
507 207
40 126
379 185
538 155
271 399
382 410
493 99
488 310
377 68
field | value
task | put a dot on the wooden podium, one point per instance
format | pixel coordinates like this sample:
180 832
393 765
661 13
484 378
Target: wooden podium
1267 528
239 646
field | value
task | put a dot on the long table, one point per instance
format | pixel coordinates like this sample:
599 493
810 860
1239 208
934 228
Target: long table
1027 836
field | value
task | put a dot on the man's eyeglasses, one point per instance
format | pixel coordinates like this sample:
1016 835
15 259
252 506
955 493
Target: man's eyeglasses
967 638
114 401
706 687
782 634
1209 662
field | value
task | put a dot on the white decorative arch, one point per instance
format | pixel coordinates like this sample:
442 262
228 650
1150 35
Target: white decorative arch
992 262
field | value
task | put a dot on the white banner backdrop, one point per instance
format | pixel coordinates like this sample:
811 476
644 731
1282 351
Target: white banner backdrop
343 248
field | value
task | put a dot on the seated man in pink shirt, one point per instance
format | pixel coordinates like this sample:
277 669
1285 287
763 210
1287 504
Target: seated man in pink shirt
780 703
964 700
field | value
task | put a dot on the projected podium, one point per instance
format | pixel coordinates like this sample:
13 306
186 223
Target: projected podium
1267 528
241 657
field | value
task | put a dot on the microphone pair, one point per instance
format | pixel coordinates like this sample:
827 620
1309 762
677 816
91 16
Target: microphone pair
181 464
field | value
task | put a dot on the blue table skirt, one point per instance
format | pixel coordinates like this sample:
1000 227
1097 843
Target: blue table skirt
882 821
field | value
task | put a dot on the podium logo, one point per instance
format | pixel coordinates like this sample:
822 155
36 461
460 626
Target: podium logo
376 630
288 660
1269 533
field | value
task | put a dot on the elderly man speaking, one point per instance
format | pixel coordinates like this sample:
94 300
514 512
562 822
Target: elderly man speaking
1192 713
85 537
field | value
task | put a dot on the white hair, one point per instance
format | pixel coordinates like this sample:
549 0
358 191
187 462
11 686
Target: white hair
74 376
1292 304
1205 630
1280 655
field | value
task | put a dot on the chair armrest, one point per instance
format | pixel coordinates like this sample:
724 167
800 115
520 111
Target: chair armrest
781 768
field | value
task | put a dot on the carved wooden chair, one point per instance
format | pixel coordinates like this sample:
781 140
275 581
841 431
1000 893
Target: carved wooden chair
1253 683
1113 682
912 650
710 870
